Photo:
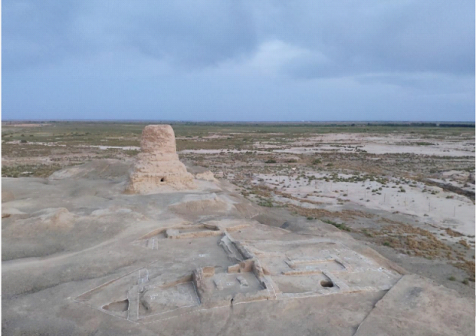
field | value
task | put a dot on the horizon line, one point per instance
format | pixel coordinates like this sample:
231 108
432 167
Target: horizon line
239 121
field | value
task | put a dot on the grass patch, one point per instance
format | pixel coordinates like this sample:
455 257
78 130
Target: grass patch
424 143
265 203
340 226
30 170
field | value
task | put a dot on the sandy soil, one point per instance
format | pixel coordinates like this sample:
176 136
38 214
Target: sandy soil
379 145
435 206
82 258
435 167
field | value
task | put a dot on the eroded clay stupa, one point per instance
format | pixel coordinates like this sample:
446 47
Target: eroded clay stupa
158 165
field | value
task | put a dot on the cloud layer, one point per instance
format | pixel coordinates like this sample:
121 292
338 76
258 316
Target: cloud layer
238 60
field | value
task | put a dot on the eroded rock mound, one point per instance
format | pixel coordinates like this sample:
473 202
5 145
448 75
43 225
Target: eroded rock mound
108 169
206 176
201 205
158 165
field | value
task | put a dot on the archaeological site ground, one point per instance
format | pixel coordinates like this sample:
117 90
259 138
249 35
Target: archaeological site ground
238 229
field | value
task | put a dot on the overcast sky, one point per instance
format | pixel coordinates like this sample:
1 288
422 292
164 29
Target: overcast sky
238 60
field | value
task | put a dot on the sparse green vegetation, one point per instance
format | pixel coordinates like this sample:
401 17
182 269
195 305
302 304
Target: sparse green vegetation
265 203
341 226
423 143
367 233
29 170
316 161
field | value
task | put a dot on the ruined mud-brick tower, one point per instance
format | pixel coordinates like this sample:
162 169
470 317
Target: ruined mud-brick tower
158 166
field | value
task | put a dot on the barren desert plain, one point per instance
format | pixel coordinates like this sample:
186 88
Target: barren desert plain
279 229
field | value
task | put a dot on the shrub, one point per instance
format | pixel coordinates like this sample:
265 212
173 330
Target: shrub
337 225
316 161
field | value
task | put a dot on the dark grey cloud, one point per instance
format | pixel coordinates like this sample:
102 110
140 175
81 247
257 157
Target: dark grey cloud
185 33
37 32
233 59
383 36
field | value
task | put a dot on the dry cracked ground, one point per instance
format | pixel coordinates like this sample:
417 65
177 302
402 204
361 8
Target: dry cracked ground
363 229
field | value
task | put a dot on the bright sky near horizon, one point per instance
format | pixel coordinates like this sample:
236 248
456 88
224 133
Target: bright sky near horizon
234 60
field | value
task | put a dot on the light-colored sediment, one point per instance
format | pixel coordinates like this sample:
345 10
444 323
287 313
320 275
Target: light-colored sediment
180 263
207 176
429 203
